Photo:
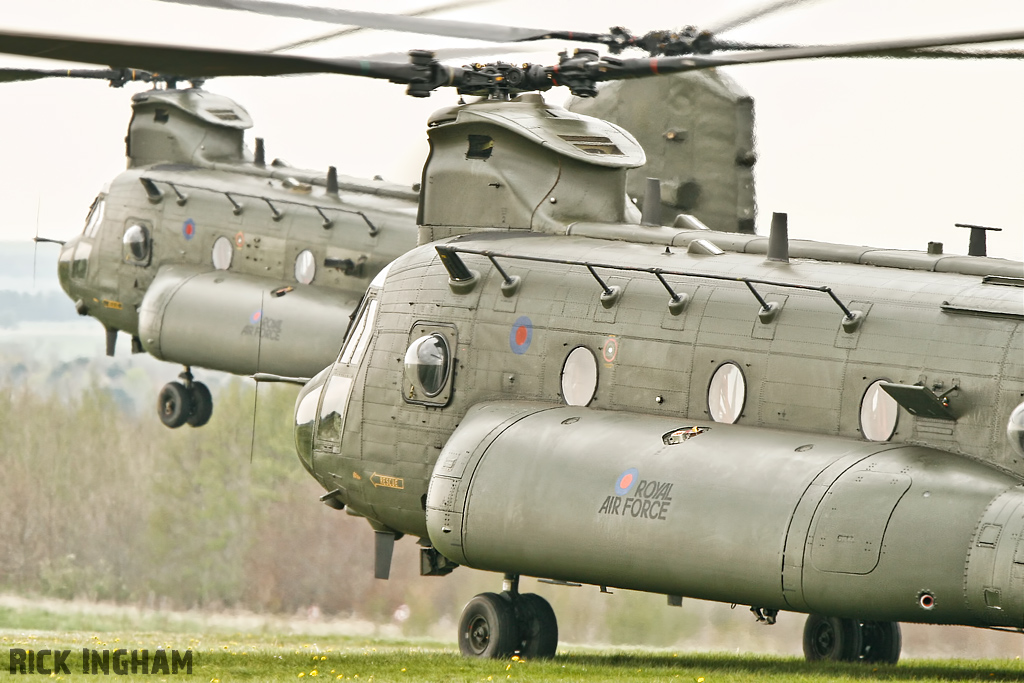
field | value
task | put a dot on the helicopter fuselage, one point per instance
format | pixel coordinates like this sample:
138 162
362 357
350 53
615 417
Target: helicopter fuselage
542 405
208 256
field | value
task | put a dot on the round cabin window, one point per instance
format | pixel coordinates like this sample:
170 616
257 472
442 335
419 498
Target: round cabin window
426 366
878 413
305 267
579 377
223 250
1015 430
136 244
727 393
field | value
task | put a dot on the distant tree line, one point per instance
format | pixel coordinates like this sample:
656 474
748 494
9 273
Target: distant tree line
18 307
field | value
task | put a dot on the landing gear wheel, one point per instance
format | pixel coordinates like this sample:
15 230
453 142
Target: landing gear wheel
538 627
487 628
202 405
831 639
881 642
174 404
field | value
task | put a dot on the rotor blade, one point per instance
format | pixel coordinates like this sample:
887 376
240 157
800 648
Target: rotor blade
14 75
456 4
391 22
197 62
933 53
936 53
752 14
634 68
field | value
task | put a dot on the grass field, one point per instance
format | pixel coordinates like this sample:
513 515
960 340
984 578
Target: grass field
219 656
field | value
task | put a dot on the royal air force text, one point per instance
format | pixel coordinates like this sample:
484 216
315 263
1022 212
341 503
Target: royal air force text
648 500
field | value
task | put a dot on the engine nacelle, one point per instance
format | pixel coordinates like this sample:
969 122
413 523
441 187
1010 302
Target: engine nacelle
240 323
735 514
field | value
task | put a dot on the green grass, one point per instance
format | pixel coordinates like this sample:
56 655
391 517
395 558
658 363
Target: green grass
221 655
220 658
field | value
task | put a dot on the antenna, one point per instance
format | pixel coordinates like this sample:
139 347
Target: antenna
651 212
977 245
778 238
256 393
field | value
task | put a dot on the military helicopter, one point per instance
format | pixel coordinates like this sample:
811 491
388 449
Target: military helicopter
546 389
209 255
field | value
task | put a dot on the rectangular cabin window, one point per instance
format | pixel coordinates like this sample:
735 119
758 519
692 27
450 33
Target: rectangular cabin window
480 147
161 116
355 345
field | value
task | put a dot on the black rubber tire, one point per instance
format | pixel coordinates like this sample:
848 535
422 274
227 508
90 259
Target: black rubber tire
831 639
202 405
881 642
487 628
174 404
538 627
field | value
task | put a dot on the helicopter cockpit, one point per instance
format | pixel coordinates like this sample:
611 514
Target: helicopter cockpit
321 405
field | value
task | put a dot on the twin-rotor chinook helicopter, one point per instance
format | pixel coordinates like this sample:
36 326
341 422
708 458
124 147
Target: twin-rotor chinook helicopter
207 255
544 388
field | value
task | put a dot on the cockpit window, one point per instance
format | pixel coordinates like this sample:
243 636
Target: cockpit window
92 223
136 244
356 343
332 409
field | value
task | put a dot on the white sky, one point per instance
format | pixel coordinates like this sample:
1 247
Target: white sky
873 152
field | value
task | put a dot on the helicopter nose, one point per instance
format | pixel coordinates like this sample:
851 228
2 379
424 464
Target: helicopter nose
67 251
305 417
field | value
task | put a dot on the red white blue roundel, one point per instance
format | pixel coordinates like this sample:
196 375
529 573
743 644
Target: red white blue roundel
521 335
188 229
626 481
255 317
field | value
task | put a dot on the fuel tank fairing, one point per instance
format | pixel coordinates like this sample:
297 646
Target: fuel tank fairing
242 323
736 514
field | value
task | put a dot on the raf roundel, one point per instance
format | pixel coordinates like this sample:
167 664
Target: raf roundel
626 480
255 317
188 229
610 349
521 335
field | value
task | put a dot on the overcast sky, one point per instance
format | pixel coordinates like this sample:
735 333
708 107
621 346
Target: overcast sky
864 151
